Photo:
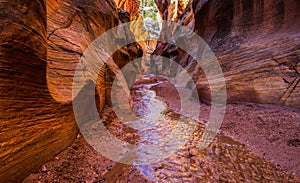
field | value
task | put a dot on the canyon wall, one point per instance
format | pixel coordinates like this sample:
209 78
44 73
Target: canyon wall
130 6
34 126
72 25
256 43
41 44
171 10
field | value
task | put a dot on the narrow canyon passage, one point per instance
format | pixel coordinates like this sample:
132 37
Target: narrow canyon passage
149 91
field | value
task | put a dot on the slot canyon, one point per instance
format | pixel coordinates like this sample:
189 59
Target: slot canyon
49 126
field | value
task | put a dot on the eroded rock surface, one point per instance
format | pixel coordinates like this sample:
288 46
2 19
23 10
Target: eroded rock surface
171 10
130 6
34 127
256 43
41 44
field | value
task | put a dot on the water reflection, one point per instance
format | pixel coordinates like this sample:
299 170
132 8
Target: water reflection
225 160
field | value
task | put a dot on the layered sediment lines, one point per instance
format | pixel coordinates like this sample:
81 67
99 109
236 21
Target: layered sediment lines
34 126
256 43
41 45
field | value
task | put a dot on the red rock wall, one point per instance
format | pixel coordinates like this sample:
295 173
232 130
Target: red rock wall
41 43
216 18
257 44
131 6
34 127
72 26
171 10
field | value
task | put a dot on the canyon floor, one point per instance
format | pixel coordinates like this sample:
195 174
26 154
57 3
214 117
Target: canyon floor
256 143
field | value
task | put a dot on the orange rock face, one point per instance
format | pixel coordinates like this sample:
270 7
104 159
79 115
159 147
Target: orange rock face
257 44
34 127
131 6
41 44
71 27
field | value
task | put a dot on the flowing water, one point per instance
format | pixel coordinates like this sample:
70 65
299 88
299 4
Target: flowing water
225 160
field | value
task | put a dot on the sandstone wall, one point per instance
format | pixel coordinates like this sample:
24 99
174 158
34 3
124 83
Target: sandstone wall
171 10
41 44
256 43
130 6
72 25
34 127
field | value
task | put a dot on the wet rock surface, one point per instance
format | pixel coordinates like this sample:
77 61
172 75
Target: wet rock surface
250 125
224 160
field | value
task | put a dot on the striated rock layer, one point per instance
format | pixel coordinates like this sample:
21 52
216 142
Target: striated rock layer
34 127
71 28
39 54
130 6
171 10
256 43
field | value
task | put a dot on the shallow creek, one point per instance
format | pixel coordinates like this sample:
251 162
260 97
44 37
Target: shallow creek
225 160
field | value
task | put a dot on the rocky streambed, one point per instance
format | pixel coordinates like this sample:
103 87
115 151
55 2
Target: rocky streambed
241 152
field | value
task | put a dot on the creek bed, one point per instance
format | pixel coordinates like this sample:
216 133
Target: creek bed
225 160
